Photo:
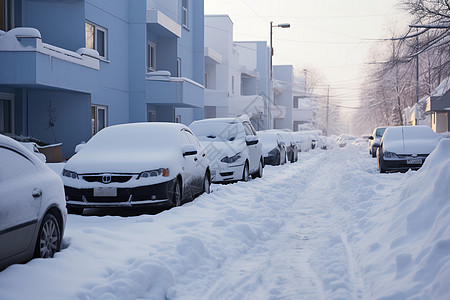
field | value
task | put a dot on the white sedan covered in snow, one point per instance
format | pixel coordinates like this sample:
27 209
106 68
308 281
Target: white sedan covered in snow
233 147
137 165
405 147
32 206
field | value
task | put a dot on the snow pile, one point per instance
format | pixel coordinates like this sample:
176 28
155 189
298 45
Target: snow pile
406 249
327 227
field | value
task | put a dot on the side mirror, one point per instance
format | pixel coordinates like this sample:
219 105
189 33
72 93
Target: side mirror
79 147
282 143
188 150
370 137
251 140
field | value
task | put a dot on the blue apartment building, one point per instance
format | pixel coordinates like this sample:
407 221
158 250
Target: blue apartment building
68 68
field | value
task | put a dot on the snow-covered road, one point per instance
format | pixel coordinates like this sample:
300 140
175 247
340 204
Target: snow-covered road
326 227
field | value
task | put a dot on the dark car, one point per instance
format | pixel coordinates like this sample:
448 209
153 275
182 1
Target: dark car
375 139
274 148
405 147
32 206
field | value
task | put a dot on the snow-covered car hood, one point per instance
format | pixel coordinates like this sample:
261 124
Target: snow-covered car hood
217 150
85 162
411 146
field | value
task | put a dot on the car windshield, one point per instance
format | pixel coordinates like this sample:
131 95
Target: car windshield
268 140
416 132
220 131
133 137
380 131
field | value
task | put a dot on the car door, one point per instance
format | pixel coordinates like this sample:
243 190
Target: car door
253 148
20 200
201 161
190 168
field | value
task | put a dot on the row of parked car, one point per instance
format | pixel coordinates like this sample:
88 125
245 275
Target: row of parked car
129 165
400 148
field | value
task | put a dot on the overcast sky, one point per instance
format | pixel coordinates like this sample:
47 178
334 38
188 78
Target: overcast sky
332 36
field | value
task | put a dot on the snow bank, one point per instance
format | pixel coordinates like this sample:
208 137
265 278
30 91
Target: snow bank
408 254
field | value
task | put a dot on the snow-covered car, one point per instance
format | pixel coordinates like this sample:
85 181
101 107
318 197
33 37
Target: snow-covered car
375 139
233 147
405 147
32 206
274 148
303 140
137 165
345 139
291 146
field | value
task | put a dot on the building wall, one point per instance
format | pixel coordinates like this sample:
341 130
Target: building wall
284 74
113 88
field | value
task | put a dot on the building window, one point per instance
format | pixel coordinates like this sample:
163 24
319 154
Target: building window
6 15
185 12
151 57
178 67
99 118
96 38
232 85
6 113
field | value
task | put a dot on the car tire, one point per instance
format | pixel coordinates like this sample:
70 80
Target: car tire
259 173
206 184
75 211
49 238
175 194
380 166
245 173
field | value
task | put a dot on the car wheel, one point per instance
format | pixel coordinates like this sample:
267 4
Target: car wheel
49 238
206 184
175 194
380 166
259 173
245 173
75 210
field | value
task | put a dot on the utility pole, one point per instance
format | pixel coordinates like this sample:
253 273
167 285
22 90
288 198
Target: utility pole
328 107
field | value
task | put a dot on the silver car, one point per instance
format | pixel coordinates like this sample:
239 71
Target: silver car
32 206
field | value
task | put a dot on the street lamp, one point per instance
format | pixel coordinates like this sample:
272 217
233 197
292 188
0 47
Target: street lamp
283 25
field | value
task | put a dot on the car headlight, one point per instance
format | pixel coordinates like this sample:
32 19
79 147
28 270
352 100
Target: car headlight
388 154
155 173
232 159
69 174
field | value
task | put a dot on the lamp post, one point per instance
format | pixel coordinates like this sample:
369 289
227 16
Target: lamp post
283 25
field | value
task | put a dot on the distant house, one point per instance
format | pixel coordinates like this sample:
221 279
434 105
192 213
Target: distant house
295 106
438 105
70 68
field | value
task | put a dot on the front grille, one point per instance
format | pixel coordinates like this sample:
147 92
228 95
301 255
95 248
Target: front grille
404 156
114 178
225 174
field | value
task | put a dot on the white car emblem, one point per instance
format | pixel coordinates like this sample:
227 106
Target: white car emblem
106 178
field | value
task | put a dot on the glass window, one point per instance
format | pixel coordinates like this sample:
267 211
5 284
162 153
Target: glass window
151 56
14 164
90 36
3 15
99 118
178 67
96 38
185 13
